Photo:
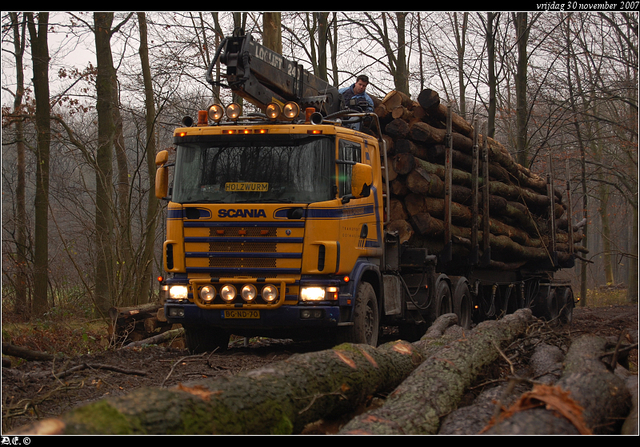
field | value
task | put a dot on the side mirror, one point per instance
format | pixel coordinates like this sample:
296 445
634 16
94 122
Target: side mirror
162 175
162 157
361 180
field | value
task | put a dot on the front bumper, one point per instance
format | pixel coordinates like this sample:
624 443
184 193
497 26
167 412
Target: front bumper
284 318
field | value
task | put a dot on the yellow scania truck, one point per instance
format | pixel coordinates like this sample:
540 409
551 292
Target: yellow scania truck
276 220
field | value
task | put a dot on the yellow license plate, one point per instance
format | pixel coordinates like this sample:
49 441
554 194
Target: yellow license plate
241 314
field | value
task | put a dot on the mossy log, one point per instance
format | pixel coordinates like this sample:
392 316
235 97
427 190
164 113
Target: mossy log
436 387
277 399
280 398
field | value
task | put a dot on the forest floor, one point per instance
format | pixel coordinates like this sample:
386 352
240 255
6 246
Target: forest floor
38 389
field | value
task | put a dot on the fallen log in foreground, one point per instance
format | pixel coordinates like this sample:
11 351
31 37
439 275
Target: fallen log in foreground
436 387
588 399
278 399
428 379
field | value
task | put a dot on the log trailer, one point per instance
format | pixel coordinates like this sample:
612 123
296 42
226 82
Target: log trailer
276 224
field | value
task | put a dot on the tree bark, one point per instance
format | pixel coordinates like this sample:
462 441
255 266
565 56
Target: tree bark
21 278
40 57
133 324
278 399
520 202
160 338
143 288
588 399
27 354
104 269
437 385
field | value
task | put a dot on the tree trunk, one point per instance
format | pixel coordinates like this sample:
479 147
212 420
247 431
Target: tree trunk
588 399
40 57
437 385
272 31
27 354
104 268
21 279
143 289
522 32
132 324
492 19
277 399
158 339
520 202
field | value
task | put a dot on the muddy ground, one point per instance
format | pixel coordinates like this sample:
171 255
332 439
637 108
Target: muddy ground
40 389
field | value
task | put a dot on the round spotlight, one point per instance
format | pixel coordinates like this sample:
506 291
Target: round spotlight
233 111
248 292
215 112
273 111
207 293
291 110
269 293
228 292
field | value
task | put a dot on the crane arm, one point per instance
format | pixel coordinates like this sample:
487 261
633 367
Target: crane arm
261 76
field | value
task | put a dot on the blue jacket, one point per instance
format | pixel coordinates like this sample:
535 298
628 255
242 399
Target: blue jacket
347 94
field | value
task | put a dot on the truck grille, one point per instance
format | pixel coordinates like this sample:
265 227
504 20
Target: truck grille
243 248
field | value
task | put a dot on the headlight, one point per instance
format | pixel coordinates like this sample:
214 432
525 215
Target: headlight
207 293
233 111
273 111
178 292
248 292
228 292
312 293
216 112
291 110
269 293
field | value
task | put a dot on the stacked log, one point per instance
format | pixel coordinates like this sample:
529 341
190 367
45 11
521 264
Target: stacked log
137 323
440 166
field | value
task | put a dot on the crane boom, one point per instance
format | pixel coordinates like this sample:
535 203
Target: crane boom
262 76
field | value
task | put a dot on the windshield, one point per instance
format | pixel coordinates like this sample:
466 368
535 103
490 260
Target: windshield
236 169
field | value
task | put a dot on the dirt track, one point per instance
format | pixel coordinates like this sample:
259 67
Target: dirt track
32 391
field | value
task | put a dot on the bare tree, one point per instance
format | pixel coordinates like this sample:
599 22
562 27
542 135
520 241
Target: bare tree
522 35
272 31
40 56
387 31
146 263
21 277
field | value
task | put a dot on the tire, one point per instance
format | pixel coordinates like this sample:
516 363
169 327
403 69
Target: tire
566 305
443 301
366 319
205 339
553 304
463 303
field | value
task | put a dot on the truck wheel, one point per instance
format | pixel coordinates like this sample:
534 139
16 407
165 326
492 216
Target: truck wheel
205 339
462 303
365 318
443 302
566 305
553 304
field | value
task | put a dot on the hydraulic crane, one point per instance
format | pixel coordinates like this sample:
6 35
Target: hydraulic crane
262 76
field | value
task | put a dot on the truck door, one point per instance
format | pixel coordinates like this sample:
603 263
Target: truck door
358 226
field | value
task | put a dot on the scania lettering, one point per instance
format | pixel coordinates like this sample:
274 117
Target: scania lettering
232 213
278 222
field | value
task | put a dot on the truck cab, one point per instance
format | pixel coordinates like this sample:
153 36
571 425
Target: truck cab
274 228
